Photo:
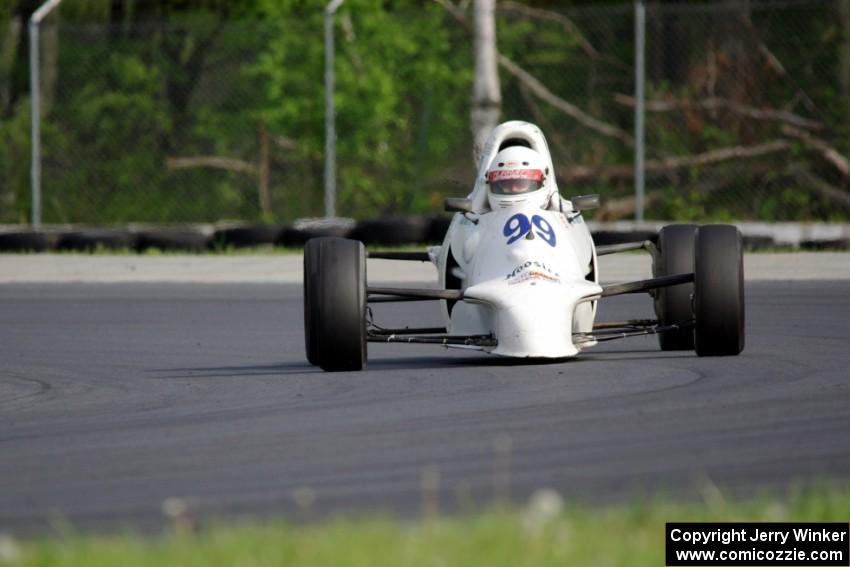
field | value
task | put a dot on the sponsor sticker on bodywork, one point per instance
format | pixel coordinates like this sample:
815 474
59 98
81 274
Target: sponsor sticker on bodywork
532 270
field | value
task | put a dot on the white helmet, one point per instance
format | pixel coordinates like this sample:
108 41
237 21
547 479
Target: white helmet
516 176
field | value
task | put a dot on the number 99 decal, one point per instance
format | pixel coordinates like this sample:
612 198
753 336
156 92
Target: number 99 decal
516 227
519 225
544 229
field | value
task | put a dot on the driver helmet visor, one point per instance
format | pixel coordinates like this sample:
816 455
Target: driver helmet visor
515 181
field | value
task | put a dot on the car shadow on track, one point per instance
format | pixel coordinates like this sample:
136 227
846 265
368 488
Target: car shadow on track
297 368
485 361
385 364
629 355
274 369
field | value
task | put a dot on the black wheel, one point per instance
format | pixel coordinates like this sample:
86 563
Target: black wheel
719 291
335 304
673 303
311 252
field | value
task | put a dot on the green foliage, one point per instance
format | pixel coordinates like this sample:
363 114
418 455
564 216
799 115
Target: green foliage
629 534
14 162
240 87
392 70
113 126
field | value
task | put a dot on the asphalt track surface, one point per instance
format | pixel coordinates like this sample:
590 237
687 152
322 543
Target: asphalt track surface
116 397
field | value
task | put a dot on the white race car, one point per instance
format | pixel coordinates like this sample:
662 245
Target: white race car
518 274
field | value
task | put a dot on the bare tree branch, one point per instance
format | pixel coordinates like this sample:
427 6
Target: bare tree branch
620 208
772 61
655 168
456 12
545 94
350 37
827 152
716 103
568 25
284 142
567 108
615 209
820 186
215 162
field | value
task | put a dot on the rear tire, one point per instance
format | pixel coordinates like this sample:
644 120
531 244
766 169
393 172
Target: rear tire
673 303
335 303
719 291
311 275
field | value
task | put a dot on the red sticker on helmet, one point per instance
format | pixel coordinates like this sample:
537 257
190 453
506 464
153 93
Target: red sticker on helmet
533 174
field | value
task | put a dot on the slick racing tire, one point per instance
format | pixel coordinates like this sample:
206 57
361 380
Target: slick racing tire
311 278
335 304
719 291
673 303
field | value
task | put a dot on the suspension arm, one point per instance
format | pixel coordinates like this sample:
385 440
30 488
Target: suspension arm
646 285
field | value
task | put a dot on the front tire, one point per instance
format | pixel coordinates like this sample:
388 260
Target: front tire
335 303
719 291
673 303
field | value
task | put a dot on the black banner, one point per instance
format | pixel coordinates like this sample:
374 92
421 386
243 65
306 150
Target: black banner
758 544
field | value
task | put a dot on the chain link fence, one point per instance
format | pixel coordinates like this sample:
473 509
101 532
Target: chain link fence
206 119
747 106
748 110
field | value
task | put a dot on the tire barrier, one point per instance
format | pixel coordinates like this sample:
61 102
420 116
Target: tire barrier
305 229
174 239
758 242
437 229
27 241
388 231
605 237
245 236
834 244
87 240
392 230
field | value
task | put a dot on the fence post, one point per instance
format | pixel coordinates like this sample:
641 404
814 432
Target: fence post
35 101
640 77
330 127
35 132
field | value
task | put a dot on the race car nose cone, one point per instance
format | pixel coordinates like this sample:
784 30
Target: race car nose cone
534 321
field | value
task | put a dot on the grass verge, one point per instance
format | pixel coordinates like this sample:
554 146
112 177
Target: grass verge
544 533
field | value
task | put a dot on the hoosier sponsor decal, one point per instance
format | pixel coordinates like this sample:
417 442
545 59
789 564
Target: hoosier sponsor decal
532 270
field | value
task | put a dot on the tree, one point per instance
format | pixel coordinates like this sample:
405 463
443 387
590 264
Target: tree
486 96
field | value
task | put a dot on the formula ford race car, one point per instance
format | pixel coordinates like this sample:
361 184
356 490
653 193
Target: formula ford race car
518 274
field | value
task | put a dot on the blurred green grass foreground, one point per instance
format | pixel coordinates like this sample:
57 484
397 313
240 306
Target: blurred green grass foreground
544 532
